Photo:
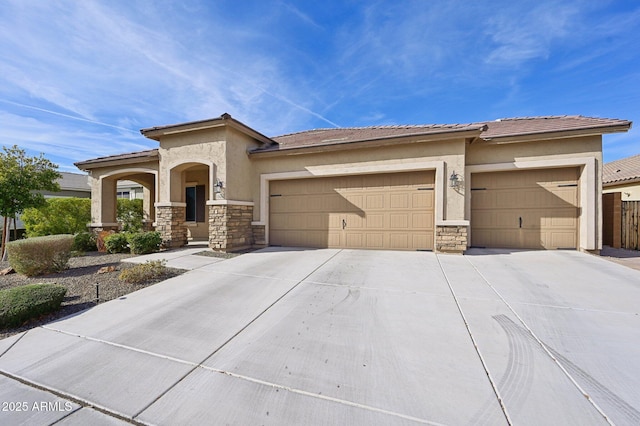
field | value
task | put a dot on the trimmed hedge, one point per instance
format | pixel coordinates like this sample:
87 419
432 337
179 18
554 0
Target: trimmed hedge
116 243
84 241
137 243
20 304
40 255
144 242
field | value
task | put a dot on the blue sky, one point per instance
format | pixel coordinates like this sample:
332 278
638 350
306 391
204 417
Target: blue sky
78 79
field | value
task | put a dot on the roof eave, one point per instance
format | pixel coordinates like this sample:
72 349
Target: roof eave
157 132
558 134
373 142
620 182
107 161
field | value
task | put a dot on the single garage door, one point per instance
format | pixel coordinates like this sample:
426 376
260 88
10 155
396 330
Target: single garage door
381 211
525 209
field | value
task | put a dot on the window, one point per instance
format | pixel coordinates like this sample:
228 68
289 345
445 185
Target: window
123 194
195 199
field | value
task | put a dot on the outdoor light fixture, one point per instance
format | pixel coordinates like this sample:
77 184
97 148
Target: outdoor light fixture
218 186
455 180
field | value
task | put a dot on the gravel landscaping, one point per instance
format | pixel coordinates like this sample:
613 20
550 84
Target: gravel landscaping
81 279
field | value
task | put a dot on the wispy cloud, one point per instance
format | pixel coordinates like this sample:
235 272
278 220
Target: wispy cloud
69 70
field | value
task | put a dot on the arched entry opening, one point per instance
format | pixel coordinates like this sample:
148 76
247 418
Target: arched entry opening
185 216
104 207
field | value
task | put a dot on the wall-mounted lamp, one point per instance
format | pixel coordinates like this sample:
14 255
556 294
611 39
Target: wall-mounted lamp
217 187
455 180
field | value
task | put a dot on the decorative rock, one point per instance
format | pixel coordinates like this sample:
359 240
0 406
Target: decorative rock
106 269
7 271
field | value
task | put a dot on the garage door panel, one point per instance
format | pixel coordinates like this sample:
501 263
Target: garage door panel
525 209
375 202
400 201
422 199
375 221
355 211
374 240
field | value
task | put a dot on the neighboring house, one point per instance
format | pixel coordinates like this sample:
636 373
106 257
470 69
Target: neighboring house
71 185
129 190
518 183
623 176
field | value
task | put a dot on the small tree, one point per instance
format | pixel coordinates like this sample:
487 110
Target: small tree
21 177
58 216
130 214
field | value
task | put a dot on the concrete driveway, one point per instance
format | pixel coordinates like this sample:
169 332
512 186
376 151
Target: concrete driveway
344 337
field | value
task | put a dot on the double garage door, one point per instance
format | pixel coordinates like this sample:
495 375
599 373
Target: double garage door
380 211
536 209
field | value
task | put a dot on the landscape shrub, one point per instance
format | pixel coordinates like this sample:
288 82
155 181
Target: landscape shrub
143 272
40 255
117 243
19 304
58 216
129 214
84 241
144 242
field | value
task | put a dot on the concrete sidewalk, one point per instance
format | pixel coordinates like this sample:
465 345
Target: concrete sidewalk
181 258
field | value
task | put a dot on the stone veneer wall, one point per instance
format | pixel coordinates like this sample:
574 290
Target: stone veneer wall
259 235
451 239
170 222
230 227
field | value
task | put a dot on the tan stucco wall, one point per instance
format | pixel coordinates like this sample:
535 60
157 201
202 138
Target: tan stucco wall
630 191
486 153
103 188
369 160
181 151
240 180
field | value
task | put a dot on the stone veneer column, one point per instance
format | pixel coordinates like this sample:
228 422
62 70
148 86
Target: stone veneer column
259 235
451 239
230 225
170 222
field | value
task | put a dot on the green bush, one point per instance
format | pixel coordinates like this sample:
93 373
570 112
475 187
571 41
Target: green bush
117 243
129 214
19 304
58 216
144 242
84 241
143 272
40 255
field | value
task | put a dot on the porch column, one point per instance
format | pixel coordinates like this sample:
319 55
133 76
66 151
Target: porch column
170 222
230 225
103 205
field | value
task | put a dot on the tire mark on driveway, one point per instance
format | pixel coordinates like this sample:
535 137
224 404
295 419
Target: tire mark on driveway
628 413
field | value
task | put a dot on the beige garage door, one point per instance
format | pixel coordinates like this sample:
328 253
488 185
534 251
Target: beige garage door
525 209
385 211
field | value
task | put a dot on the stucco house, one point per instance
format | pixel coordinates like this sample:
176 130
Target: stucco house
530 182
623 176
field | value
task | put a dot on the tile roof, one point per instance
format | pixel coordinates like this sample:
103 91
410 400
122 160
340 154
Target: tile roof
503 128
151 153
546 124
487 130
626 169
334 136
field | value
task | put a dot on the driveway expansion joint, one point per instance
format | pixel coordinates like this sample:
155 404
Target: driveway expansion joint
542 345
83 403
494 386
235 334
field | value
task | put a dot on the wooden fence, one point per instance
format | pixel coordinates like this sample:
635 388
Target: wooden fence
630 230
